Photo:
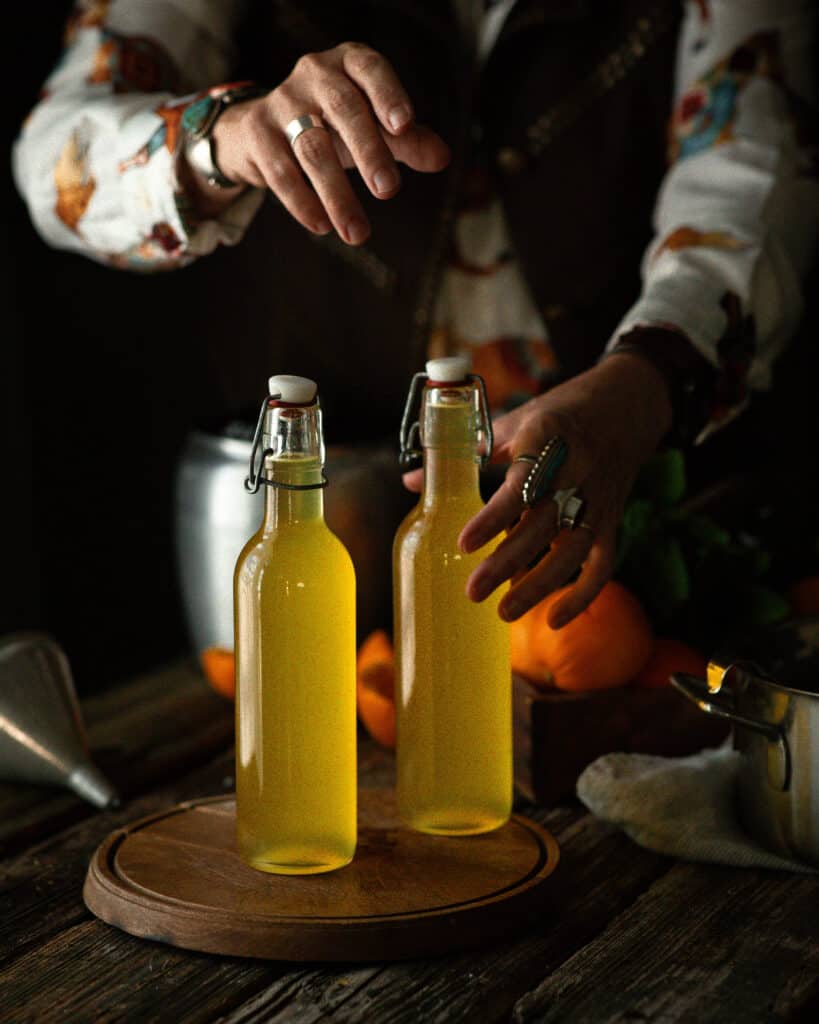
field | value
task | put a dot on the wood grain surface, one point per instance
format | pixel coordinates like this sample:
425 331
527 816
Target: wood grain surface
626 935
176 877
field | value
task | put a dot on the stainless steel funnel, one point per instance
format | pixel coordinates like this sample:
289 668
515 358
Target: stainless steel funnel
42 739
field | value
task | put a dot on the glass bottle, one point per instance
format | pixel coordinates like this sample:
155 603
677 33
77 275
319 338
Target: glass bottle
453 679
294 605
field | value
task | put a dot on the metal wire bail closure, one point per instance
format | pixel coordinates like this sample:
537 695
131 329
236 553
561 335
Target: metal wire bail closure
410 432
254 479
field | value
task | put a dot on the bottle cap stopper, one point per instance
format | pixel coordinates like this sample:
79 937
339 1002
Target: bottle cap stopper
295 390
449 369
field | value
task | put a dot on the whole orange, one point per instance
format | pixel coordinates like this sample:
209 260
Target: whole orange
604 646
219 667
375 687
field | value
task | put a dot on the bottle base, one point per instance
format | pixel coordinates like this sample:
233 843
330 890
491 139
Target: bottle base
295 868
449 824
294 861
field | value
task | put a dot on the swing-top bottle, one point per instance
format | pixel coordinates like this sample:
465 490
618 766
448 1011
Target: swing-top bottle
294 590
453 680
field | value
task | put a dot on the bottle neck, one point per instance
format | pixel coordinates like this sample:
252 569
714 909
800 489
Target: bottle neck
295 446
449 436
449 475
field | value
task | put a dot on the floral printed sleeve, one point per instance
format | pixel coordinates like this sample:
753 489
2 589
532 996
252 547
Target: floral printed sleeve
96 159
736 218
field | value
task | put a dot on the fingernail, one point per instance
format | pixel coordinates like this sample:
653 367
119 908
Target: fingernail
355 231
481 590
560 620
323 227
385 180
398 117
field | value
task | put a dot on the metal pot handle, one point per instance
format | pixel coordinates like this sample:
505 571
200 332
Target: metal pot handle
706 695
706 699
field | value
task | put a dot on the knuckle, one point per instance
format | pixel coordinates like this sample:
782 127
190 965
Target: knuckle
311 148
370 151
342 101
254 136
307 64
283 176
363 61
282 96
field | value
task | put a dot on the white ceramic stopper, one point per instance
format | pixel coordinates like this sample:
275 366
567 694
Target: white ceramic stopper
298 390
449 369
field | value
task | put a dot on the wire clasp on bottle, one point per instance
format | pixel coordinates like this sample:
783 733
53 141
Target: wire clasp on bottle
255 479
410 435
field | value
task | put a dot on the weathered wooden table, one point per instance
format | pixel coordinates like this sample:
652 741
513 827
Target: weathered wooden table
630 935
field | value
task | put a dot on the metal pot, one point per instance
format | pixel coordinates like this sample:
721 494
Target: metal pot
772 699
215 516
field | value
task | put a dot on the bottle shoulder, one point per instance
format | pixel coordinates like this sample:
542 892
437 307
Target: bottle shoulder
310 550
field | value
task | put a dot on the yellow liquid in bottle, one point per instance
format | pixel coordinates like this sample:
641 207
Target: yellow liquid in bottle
453 688
295 700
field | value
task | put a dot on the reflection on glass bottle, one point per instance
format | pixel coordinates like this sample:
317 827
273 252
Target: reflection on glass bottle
453 686
294 600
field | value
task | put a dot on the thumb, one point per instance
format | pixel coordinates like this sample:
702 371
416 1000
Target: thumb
414 480
419 148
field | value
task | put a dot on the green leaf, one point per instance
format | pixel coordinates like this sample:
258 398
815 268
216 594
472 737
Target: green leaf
660 576
662 478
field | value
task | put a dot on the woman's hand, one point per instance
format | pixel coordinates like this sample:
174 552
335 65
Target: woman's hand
370 126
612 418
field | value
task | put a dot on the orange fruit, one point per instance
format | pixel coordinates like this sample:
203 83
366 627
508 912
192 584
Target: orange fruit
375 687
670 656
219 667
604 646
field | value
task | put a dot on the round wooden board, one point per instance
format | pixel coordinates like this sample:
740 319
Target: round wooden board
176 877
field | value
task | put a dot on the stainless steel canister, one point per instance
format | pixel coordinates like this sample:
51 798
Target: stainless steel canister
772 699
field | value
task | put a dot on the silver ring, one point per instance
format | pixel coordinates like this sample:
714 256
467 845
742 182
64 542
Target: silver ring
302 124
570 508
526 458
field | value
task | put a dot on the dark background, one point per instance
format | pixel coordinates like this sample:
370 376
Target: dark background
103 375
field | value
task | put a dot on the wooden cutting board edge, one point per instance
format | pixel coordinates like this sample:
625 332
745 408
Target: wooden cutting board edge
379 938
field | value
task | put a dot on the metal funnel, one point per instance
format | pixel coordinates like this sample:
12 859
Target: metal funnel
42 739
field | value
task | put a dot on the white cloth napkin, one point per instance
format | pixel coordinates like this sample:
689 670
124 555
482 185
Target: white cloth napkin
680 806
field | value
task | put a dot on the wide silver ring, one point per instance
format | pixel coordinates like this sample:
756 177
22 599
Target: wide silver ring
570 507
302 124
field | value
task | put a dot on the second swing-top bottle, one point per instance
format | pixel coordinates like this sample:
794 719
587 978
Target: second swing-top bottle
453 681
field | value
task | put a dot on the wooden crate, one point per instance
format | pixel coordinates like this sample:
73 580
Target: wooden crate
557 734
